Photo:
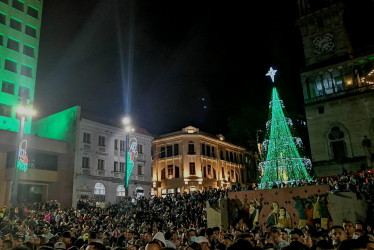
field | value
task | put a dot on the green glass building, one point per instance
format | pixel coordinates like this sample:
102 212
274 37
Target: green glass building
20 23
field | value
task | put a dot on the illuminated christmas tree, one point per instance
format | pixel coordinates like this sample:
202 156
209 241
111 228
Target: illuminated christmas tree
281 148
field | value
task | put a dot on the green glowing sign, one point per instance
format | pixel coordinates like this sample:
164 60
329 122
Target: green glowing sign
132 153
23 160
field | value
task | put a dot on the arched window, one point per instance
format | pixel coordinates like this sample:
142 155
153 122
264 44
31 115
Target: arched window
139 192
320 89
99 192
120 193
337 143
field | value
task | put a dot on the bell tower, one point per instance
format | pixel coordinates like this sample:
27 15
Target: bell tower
338 82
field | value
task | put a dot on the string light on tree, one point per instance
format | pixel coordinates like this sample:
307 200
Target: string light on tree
283 162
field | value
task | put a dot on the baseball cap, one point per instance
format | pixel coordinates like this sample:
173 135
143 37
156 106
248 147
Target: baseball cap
60 245
201 239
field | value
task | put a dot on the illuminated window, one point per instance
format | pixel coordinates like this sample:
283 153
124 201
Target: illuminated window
2 18
5 110
192 168
120 193
7 87
86 138
190 131
15 24
99 192
100 164
26 71
28 50
10 65
170 170
24 92
32 12
13 45
85 162
18 5
31 31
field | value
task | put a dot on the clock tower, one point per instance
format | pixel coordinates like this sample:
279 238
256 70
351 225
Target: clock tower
338 82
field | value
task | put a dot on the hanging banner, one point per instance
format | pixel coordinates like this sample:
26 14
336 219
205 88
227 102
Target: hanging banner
132 153
22 160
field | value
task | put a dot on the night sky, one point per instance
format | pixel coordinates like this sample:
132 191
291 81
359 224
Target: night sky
194 62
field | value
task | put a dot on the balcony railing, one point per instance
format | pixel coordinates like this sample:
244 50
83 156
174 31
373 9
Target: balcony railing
116 174
86 171
101 172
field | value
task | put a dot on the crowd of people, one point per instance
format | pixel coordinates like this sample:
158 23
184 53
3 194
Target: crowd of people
174 222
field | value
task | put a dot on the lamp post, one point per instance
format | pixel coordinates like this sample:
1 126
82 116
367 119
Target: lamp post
23 111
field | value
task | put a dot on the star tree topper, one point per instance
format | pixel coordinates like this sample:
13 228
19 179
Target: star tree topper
271 73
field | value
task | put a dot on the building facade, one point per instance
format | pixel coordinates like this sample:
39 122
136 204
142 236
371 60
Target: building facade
338 83
101 163
191 160
19 45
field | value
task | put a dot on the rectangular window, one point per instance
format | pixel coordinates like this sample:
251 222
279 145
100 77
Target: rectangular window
214 174
140 170
5 110
192 168
227 156
162 152
1 39
191 148
170 170
116 166
24 92
85 162
100 164
121 145
101 141
122 167
28 51
140 148
176 149
207 150
15 24
26 71
221 155
7 87
18 5
176 172
202 149
115 144
86 138
10 65
209 169
163 176
2 18
223 172
213 152
169 151
31 31
31 11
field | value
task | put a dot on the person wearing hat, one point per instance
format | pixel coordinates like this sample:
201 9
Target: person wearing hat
59 245
160 238
203 242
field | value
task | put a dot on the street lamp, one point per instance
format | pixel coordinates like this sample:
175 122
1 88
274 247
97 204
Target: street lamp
20 158
130 149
